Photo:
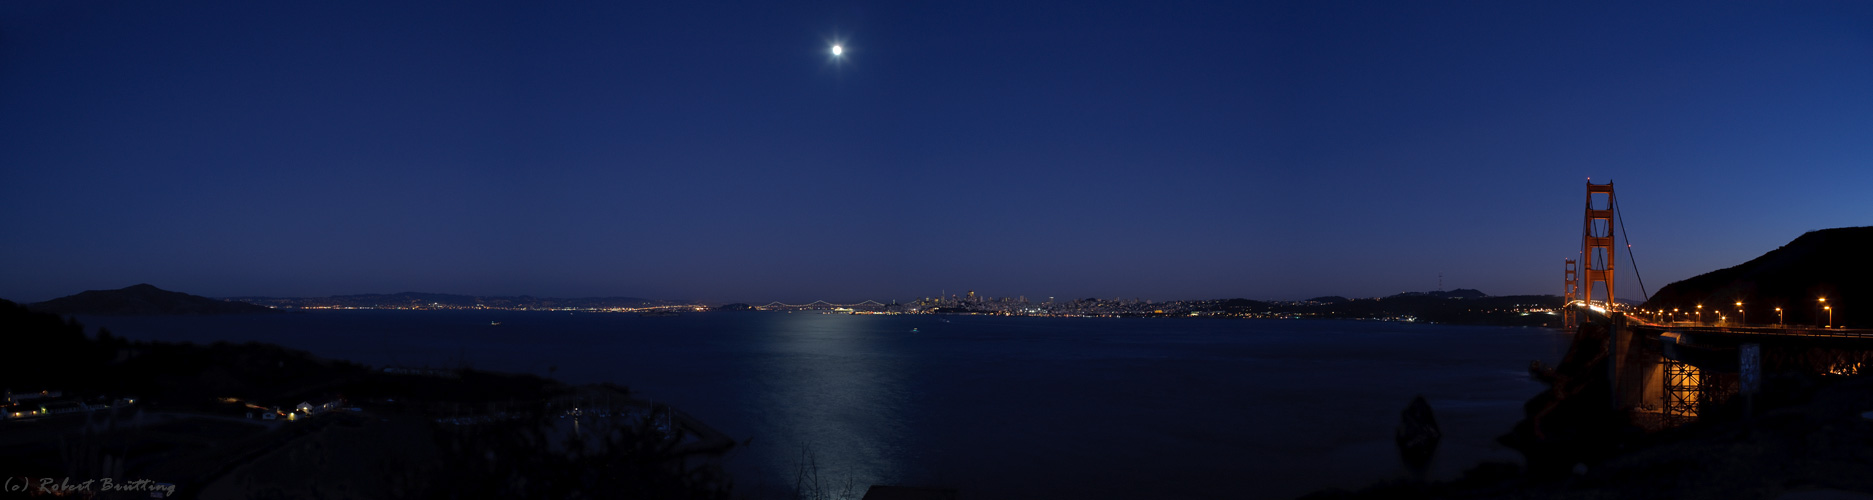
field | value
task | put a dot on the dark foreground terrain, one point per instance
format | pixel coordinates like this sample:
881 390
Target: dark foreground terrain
255 420
1808 432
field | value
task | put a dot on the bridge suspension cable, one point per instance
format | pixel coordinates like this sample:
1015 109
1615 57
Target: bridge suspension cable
1629 257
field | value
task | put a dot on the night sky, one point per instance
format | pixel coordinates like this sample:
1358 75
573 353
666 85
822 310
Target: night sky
717 152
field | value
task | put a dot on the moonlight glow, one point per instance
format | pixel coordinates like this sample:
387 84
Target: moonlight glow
838 50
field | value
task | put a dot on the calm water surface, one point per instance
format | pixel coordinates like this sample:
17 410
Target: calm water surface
998 407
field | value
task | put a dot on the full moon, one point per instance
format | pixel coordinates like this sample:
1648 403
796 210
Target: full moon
838 50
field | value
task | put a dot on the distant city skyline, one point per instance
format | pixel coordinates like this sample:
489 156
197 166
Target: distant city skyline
967 295
723 153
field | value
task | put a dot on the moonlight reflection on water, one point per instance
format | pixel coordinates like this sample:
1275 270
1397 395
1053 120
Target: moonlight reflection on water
997 407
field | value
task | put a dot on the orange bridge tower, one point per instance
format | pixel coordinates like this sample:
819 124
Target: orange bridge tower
1570 289
1596 248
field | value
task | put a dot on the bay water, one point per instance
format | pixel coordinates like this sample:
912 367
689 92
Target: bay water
997 407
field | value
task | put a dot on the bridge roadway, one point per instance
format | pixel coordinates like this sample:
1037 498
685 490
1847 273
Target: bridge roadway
1671 368
1642 321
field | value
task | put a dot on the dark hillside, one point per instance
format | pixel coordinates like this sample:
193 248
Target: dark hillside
1836 264
143 299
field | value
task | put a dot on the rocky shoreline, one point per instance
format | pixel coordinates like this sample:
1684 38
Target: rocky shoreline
1814 435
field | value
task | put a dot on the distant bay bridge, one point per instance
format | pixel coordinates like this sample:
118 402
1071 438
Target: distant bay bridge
821 305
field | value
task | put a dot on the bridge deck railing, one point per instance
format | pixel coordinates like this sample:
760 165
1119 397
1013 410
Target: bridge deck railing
1642 321
1762 330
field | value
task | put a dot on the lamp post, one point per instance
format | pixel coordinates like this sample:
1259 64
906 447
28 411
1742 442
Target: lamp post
1741 317
1817 314
1674 314
1700 314
1778 315
1830 316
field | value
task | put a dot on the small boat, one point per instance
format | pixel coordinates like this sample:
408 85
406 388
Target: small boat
494 323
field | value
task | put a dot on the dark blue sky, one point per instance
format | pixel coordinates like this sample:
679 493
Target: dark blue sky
713 151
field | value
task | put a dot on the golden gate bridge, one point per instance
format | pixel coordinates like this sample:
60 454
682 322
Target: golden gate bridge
1675 363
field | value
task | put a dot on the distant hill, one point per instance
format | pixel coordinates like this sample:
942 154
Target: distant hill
1243 305
1462 306
1460 293
143 299
422 300
1833 263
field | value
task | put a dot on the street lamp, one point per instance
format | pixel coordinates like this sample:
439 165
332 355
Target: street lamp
1830 315
1674 314
1741 317
1823 304
1700 314
1778 315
